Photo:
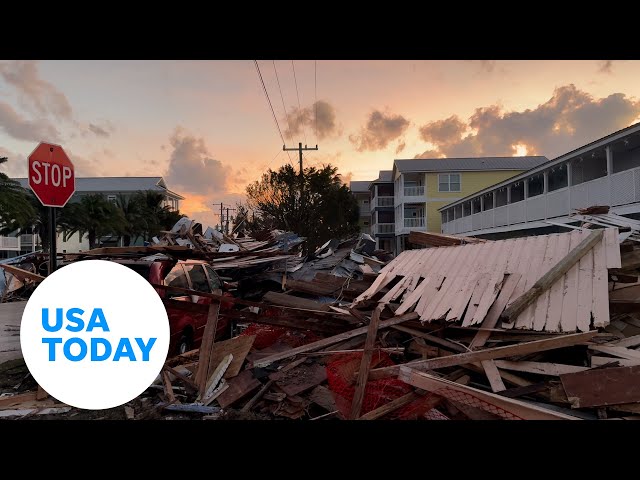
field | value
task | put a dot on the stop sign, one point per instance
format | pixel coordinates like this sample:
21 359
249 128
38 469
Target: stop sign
51 175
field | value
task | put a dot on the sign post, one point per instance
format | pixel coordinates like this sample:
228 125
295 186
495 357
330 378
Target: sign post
52 180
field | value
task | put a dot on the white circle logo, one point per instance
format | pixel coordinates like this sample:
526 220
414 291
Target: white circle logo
94 334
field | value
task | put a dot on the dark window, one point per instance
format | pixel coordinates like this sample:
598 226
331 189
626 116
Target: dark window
176 278
476 205
517 192
214 280
466 209
536 185
488 201
558 177
199 280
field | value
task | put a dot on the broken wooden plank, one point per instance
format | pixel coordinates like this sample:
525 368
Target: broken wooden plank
325 342
621 352
624 306
301 378
190 384
456 347
628 342
553 369
17 399
286 300
251 403
392 406
168 388
238 347
488 354
597 361
491 371
208 338
491 319
526 390
323 397
192 408
21 274
215 379
239 386
516 408
549 278
365 363
602 387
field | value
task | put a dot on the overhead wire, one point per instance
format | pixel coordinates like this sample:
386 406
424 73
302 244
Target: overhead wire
304 132
275 118
282 97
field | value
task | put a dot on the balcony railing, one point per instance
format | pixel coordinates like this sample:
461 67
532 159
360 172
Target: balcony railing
384 201
414 222
26 239
9 243
413 191
385 228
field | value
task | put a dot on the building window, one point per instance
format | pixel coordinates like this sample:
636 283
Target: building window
449 182
111 198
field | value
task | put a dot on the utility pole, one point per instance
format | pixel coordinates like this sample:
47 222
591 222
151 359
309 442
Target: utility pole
300 150
227 225
222 205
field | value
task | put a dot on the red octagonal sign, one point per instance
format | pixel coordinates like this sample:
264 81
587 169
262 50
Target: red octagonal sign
51 175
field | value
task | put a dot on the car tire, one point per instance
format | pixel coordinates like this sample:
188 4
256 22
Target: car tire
184 344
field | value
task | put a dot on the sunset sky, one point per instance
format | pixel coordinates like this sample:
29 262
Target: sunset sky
206 126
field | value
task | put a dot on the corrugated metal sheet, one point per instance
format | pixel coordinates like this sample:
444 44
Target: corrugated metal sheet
469 164
468 278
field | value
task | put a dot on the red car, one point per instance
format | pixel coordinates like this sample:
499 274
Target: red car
187 313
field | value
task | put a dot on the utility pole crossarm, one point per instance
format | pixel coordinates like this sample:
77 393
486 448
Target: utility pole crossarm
300 149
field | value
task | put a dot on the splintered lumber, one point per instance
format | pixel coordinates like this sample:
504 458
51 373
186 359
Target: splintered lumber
494 312
215 379
456 347
392 406
552 369
431 239
323 397
601 387
296 302
251 403
325 342
238 347
493 375
168 388
549 278
21 274
621 352
619 362
365 363
192 408
239 386
633 341
190 384
17 399
487 354
301 378
205 347
511 406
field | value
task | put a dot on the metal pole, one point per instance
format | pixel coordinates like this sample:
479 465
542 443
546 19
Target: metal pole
52 240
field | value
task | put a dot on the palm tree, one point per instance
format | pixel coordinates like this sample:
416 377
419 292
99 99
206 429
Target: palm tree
92 215
133 211
157 216
16 210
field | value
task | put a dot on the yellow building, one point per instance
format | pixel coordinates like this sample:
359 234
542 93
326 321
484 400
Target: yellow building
422 186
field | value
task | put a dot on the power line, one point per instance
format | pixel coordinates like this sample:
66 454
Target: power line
275 119
315 103
298 95
282 97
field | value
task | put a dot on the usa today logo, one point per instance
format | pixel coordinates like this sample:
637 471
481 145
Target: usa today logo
94 334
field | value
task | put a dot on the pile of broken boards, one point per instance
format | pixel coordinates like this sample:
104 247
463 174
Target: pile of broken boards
20 275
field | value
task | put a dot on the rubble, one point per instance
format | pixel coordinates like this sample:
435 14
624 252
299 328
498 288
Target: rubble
542 327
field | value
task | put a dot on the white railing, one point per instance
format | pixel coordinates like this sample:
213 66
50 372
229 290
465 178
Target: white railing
385 228
9 243
621 188
414 222
384 201
414 191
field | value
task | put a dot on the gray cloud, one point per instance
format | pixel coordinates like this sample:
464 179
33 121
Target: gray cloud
104 130
428 154
570 118
192 168
400 147
16 165
16 126
299 119
604 66
35 91
381 128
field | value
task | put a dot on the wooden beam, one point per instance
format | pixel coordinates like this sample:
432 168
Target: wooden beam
488 354
325 342
549 278
21 274
443 342
190 384
365 363
597 361
168 388
515 407
286 300
391 406
208 338
628 342
257 396
553 369
491 371
621 352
